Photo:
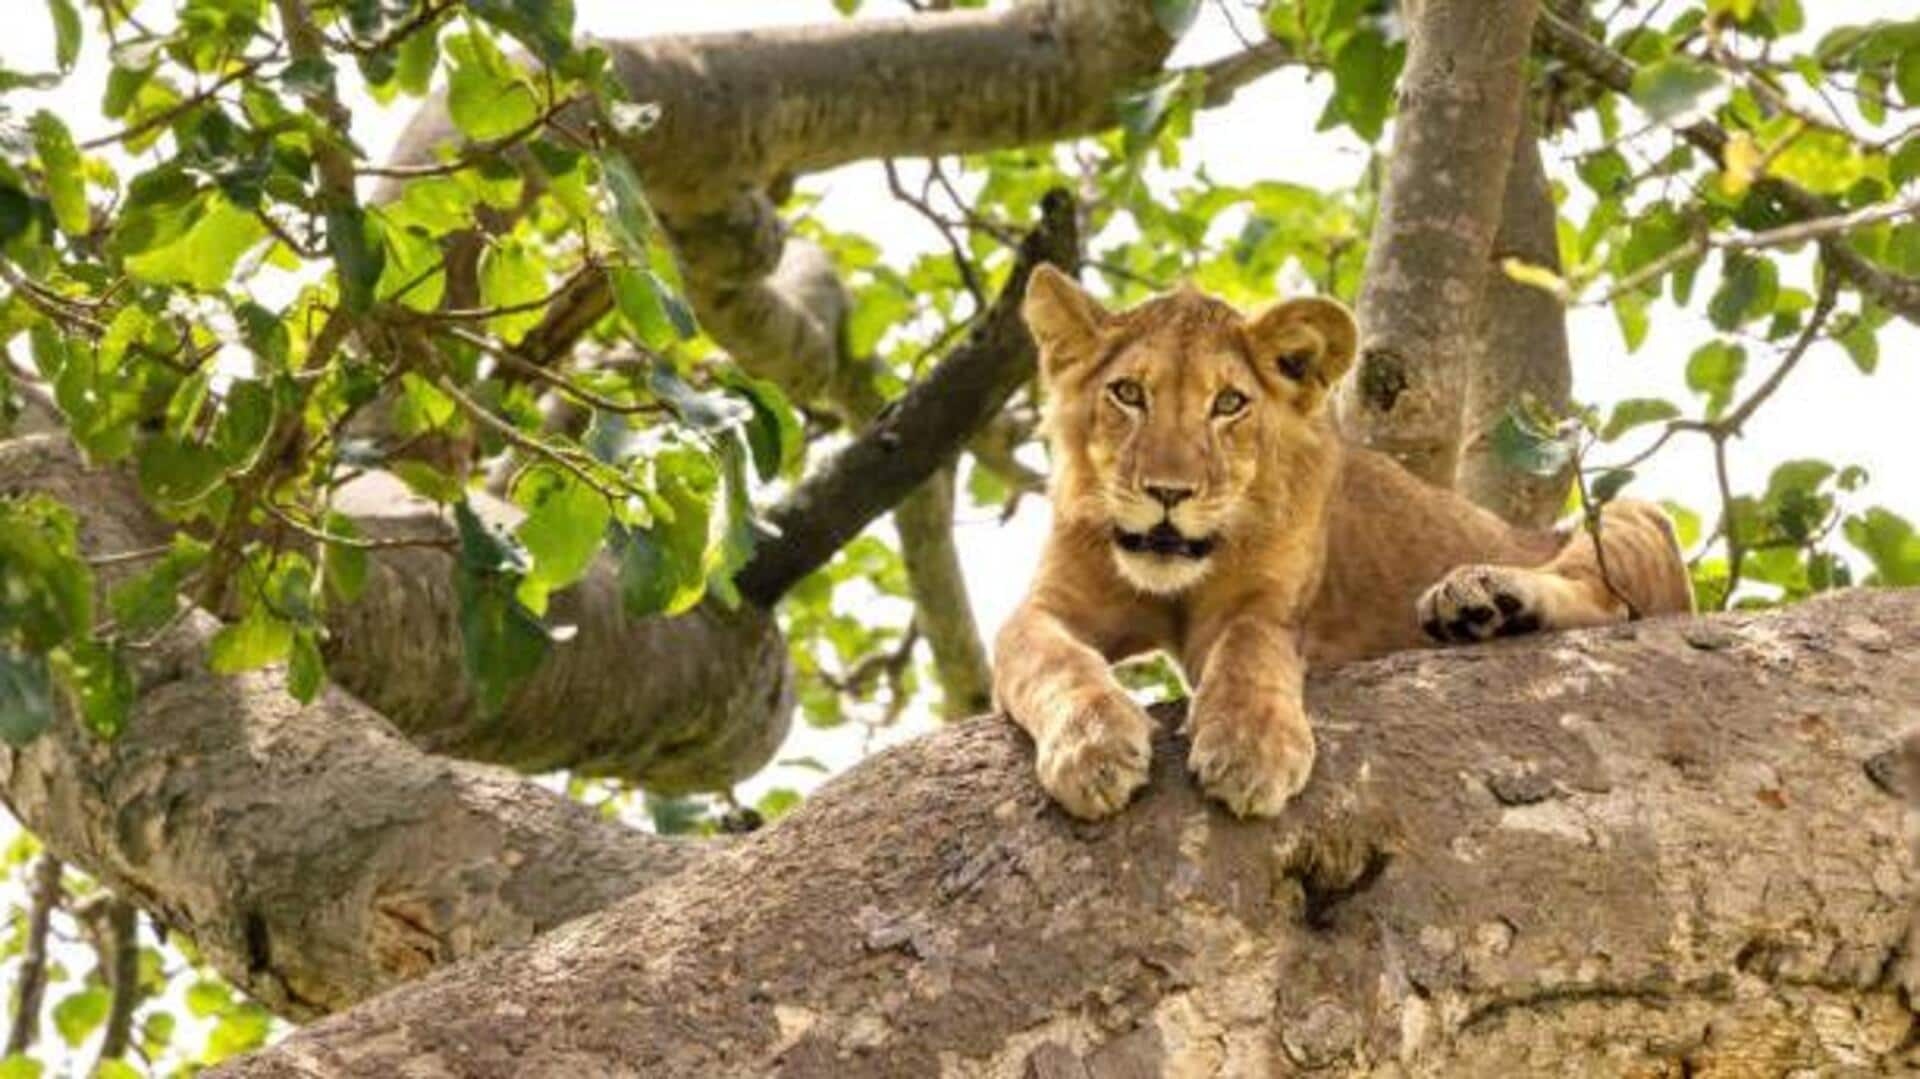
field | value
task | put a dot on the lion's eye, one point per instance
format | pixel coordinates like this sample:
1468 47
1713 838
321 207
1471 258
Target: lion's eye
1128 392
1229 403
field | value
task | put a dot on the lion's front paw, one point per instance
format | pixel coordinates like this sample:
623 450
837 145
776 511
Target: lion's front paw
1093 763
1474 603
1253 763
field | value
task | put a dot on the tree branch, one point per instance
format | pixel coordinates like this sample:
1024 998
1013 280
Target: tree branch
1520 348
918 434
1484 878
1461 100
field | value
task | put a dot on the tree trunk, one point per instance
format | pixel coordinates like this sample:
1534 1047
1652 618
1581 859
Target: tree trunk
1521 348
1460 104
1661 848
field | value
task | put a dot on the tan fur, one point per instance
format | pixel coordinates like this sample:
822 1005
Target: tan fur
1314 551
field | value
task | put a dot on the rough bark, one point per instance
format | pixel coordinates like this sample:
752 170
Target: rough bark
1460 104
1659 848
1520 348
711 709
312 853
740 110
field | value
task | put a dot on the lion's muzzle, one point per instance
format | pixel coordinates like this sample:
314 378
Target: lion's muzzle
1165 540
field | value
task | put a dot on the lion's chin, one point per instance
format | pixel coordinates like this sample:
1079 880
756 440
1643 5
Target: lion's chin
1160 574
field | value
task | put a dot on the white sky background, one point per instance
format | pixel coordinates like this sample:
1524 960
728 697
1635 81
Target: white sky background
1826 410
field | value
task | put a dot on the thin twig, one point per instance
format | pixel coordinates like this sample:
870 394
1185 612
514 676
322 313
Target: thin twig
168 115
43 896
523 441
360 543
1783 236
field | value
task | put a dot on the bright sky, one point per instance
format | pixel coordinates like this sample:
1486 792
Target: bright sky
1827 410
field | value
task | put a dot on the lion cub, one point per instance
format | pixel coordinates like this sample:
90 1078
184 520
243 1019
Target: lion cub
1204 505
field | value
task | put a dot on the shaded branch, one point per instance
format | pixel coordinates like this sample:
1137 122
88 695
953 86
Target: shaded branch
916 435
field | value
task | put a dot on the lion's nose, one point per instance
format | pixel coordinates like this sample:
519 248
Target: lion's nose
1168 496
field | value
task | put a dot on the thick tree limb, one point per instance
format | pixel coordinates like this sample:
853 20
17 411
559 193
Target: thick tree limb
1461 100
1648 849
1898 294
694 702
916 435
313 854
1520 348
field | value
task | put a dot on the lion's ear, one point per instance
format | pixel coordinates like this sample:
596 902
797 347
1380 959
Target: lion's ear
1309 342
1065 321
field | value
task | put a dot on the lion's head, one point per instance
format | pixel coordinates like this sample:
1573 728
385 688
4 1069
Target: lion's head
1174 424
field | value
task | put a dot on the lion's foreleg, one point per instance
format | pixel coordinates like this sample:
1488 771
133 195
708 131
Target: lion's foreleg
1092 742
1252 746
1633 569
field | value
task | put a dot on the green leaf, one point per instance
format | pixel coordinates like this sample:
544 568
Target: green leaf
175 473
48 588
97 676
66 184
146 601
1674 89
774 433
306 670
343 566
658 317
1890 542
1175 16
241 1029
565 526
1862 345
504 642
1145 112
1748 288
1526 445
78 1015
246 419
737 528
26 696
544 26
633 224
700 411
486 95
1634 412
207 998
1713 370
512 275
1630 310
649 581
21 1066
1364 74
255 641
419 54
66 32
204 255
427 481
357 253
